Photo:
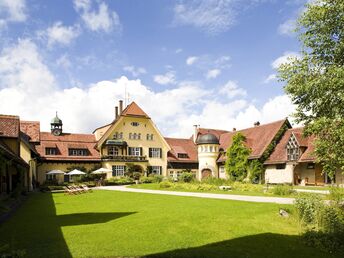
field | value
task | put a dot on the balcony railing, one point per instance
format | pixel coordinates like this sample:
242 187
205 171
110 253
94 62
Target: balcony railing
125 158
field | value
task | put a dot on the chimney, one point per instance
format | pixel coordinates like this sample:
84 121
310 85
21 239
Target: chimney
256 124
234 129
196 127
120 107
116 112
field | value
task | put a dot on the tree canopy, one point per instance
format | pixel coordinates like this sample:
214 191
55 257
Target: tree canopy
315 80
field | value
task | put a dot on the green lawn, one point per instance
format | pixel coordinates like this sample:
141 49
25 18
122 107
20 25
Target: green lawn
110 223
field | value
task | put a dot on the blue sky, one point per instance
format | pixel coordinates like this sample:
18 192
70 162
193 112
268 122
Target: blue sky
185 62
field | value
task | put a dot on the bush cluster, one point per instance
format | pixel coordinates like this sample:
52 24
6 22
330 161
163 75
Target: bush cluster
282 190
322 223
151 179
188 186
119 181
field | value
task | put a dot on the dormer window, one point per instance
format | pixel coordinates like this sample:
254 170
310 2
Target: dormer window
183 155
50 151
293 149
135 123
78 152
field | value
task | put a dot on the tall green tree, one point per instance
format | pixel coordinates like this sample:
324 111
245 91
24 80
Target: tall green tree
237 158
315 81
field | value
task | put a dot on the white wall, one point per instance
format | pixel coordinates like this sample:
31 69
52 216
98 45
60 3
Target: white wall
279 176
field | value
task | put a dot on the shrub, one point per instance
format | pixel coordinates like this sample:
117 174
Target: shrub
156 178
146 180
119 181
282 190
165 184
308 207
137 175
336 194
323 223
186 177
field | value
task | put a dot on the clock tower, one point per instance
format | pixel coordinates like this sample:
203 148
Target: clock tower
56 126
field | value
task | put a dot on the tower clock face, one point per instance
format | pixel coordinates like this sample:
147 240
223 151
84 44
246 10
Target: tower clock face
56 132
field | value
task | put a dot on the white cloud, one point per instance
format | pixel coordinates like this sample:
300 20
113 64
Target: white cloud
101 20
213 73
287 28
179 50
59 34
64 61
135 71
28 89
164 79
191 60
12 11
231 90
287 57
284 59
270 78
211 16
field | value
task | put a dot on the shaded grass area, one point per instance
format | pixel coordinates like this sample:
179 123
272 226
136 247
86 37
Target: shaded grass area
155 186
111 223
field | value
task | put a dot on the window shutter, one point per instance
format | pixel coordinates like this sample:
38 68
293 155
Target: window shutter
130 151
140 151
150 152
160 153
160 170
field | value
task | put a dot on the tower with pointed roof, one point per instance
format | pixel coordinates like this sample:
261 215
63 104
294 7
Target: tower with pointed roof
56 125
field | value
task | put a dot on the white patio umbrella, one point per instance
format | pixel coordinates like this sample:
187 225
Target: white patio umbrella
101 171
76 172
56 172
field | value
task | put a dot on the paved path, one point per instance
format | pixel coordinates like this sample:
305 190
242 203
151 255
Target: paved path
245 198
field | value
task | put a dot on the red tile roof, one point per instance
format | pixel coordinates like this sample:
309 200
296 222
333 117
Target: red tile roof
258 138
182 146
133 110
9 126
279 155
66 141
31 129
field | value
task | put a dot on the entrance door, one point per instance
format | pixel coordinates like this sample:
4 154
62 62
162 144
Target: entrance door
319 177
206 173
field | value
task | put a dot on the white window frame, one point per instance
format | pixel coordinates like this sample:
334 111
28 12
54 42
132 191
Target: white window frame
118 170
135 151
157 170
113 151
155 152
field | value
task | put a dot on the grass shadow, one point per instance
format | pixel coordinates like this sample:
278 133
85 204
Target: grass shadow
35 227
75 219
261 245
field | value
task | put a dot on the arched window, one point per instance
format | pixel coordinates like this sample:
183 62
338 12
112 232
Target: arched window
210 148
135 136
130 135
139 136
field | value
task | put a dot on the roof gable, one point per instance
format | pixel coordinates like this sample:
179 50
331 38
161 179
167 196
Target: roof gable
133 110
279 155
